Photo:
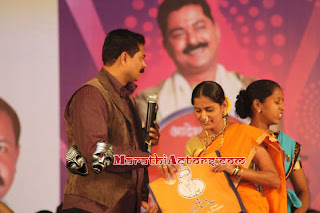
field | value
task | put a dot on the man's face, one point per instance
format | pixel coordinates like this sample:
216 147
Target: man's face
8 153
184 176
192 39
136 65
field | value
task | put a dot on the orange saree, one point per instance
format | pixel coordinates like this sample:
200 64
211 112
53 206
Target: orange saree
241 140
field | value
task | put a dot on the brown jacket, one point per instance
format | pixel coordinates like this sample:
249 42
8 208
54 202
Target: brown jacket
108 187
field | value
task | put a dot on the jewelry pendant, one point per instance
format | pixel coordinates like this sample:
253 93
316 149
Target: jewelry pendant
287 158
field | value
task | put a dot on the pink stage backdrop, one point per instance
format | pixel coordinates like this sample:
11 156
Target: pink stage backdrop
277 40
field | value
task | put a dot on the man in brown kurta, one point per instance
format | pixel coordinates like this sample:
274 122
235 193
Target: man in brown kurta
103 110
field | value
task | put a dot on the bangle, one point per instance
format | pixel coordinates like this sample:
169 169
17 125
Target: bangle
235 171
240 173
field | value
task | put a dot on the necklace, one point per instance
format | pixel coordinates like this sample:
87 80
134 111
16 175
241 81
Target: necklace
273 134
213 137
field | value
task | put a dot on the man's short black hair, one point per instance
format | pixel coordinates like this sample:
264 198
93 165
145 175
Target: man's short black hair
119 41
169 6
6 108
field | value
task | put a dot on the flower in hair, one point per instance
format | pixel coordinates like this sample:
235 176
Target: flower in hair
229 104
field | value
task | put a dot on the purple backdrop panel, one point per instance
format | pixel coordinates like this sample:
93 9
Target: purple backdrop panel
278 40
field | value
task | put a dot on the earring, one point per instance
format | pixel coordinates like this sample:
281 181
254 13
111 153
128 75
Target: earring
259 110
225 117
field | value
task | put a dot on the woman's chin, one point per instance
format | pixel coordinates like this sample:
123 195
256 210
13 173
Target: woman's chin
206 126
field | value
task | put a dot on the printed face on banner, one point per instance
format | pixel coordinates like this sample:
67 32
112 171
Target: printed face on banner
192 39
189 187
8 153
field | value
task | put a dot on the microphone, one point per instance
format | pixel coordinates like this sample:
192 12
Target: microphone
151 117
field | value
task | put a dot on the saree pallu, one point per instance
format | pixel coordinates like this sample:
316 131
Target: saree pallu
241 140
291 150
252 199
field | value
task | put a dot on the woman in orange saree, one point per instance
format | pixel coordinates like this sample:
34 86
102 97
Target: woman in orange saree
239 140
262 101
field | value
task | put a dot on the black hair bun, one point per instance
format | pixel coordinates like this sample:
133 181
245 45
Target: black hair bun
241 104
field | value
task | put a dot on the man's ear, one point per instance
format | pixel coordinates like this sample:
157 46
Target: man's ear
165 43
123 58
167 47
17 152
16 156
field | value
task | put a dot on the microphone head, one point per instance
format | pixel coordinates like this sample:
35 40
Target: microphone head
152 97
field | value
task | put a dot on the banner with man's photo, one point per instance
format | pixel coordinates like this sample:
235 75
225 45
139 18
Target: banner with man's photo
267 39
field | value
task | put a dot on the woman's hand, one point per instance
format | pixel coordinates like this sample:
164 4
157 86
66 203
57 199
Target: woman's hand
220 168
301 188
167 170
